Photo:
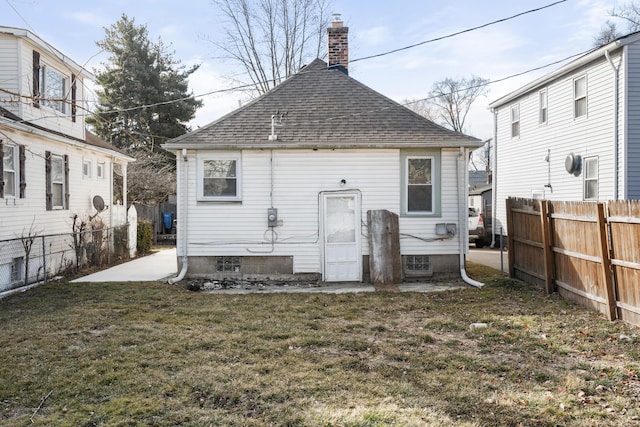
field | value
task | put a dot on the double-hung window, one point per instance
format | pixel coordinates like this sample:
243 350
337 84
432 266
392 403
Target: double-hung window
57 177
515 121
591 178
87 166
544 102
580 97
420 179
53 89
9 171
57 182
220 177
100 170
12 171
420 184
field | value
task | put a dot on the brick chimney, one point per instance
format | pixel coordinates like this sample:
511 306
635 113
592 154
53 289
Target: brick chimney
338 52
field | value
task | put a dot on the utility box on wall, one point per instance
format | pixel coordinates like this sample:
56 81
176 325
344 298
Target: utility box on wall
272 217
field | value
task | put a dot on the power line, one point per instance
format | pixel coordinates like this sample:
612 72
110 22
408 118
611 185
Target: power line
246 86
541 67
232 89
458 33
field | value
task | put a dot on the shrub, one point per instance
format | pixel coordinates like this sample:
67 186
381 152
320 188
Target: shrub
120 242
145 236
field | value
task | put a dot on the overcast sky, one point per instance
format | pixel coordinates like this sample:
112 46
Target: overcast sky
375 26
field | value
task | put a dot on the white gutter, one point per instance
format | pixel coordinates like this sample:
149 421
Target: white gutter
616 142
463 215
494 179
277 145
183 221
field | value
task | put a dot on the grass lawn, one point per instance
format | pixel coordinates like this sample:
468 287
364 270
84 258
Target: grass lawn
151 354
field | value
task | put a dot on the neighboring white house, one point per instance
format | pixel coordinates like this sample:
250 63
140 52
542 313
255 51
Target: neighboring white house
280 188
51 168
573 134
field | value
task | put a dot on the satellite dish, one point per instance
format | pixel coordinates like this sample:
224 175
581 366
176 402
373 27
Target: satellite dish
98 203
572 163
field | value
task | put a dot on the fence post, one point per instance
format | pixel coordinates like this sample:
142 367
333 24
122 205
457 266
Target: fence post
603 236
44 260
132 231
547 246
510 246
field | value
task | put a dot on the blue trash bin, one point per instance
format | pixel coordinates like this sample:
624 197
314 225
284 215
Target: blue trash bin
167 221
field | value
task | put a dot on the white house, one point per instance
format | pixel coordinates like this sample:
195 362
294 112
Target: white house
281 187
51 167
573 134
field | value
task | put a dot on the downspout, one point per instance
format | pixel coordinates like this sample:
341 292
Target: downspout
111 189
616 141
183 214
494 180
463 216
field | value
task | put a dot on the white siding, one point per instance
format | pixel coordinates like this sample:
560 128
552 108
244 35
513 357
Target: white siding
299 177
632 140
9 72
17 215
521 167
46 116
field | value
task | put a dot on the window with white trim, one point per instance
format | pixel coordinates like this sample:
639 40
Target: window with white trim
100 170
419 179
220 177
544 102
53 89
580 97
57 182
420 192
9 171
87 166
590 173
515 121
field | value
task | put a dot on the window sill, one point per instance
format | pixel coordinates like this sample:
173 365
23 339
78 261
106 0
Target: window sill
420 215
219 200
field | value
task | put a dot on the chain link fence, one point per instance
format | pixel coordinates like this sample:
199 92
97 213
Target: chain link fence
39 258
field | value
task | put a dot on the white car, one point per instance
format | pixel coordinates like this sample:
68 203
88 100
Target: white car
476 228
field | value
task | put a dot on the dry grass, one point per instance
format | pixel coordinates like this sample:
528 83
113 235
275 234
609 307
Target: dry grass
149 354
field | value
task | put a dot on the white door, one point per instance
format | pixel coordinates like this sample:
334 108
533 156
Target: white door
341 237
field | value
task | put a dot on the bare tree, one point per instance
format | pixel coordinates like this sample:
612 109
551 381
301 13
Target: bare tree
151 178
628 13
27 239
608 33
271 39
452 99
422 107
481 157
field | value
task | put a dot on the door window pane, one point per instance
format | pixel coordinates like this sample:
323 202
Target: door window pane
341 220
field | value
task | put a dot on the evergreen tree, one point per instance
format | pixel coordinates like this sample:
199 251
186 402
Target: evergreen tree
141 84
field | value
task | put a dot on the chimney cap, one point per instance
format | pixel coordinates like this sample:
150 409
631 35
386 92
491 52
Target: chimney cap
336 20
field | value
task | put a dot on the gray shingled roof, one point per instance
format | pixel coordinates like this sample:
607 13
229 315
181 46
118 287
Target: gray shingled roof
324 108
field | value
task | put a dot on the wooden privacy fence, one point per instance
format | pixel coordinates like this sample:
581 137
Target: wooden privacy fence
589 252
